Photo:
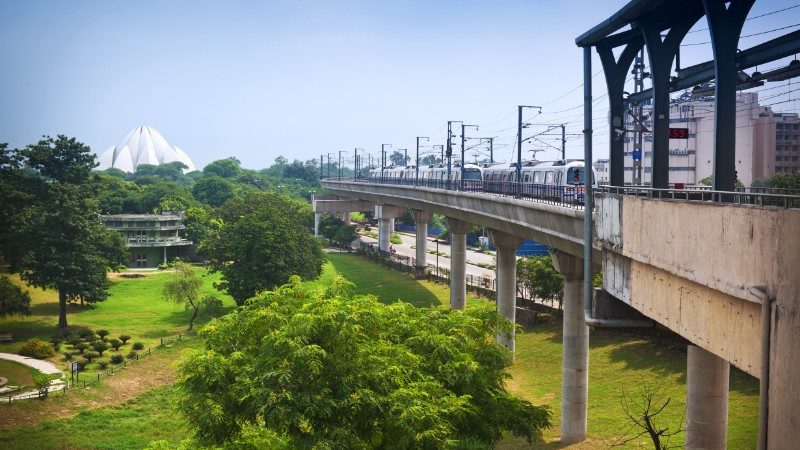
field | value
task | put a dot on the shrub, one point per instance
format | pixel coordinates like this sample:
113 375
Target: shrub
73 341
91 355
42 383
100 347
81 347
133 355
84 332
138 346
57 345
68 356
117 359
102 364
82 362
115 343
124 338
163 266
395 239
55 339
92 337
37 348
102 334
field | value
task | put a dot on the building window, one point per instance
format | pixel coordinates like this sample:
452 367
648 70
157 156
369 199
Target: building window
141 260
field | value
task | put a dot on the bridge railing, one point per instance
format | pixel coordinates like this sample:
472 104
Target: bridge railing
573 196
742 196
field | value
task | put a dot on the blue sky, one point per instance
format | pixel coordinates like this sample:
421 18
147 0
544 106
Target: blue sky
256 80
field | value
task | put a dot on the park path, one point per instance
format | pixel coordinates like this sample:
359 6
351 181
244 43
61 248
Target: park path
44 367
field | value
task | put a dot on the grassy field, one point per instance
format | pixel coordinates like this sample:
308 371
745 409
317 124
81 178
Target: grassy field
134 307
16 374
620 365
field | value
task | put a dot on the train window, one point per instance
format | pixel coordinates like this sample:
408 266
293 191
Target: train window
538 177
549 177
576 176
560 177
526 178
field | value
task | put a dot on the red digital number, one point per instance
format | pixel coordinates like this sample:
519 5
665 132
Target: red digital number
678 133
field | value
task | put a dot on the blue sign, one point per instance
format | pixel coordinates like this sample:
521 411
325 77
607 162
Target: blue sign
74 367
637 154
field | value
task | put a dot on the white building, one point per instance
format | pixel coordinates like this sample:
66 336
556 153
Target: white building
143 145
766 142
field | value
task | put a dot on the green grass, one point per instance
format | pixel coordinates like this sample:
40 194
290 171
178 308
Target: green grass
134 307
16 374
130 425
619 363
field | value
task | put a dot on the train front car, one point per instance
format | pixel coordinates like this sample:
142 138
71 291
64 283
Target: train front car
473 178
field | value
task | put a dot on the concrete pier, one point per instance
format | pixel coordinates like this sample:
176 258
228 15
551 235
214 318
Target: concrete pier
458 262
706 399
317 217
421 218
385 215
506 279
346 217
575 363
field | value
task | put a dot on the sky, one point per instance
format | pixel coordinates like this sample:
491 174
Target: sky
262 79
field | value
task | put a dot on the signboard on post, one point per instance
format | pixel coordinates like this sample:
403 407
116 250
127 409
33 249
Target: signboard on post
637 154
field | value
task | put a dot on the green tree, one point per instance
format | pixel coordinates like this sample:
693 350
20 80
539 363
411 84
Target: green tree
117 196
540 278
334 370
58 242
213 190
162 192
183 288
199 223
224 168
264 239
398 158
790 180
13 300
428 160
300 171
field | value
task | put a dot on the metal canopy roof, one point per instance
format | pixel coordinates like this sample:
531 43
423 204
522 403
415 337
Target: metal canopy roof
660 13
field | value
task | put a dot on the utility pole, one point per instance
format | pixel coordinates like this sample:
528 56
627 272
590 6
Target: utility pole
463 139
491 150
563 142
340 165
383 160
329 165
321 163
405 155
519 146
450 148
416 178
356 163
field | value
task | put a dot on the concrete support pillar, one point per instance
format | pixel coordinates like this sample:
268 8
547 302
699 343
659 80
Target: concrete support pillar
317 217
706 399
575 362
458 262
421 218
346 217
385 215
506 277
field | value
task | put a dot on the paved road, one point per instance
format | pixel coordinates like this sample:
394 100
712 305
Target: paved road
408 248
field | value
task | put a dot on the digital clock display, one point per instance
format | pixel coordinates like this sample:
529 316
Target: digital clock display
679 133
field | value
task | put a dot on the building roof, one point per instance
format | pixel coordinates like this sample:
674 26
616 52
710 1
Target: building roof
143 145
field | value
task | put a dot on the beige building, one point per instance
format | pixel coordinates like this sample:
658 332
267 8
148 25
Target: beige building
766 142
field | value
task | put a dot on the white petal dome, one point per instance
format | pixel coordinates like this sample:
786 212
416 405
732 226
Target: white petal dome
143 145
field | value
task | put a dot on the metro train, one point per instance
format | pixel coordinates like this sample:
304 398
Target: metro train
561 180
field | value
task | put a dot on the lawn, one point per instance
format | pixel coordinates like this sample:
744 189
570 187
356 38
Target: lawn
619 364
134 307
16 374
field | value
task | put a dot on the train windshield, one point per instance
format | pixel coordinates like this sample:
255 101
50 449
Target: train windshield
576 175
472 174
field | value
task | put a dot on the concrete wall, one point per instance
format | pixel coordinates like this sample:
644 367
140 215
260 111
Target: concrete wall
690 266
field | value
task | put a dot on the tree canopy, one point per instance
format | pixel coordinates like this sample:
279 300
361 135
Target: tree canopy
263 239
539 276
55 239
398 158
225 168
334 370
13 300
183 288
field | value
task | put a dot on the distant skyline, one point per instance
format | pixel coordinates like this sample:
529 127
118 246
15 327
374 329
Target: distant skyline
256 80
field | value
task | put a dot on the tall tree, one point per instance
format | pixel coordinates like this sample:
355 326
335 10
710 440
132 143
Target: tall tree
263 240
58 241
334 370
428 160
213 190
398 158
